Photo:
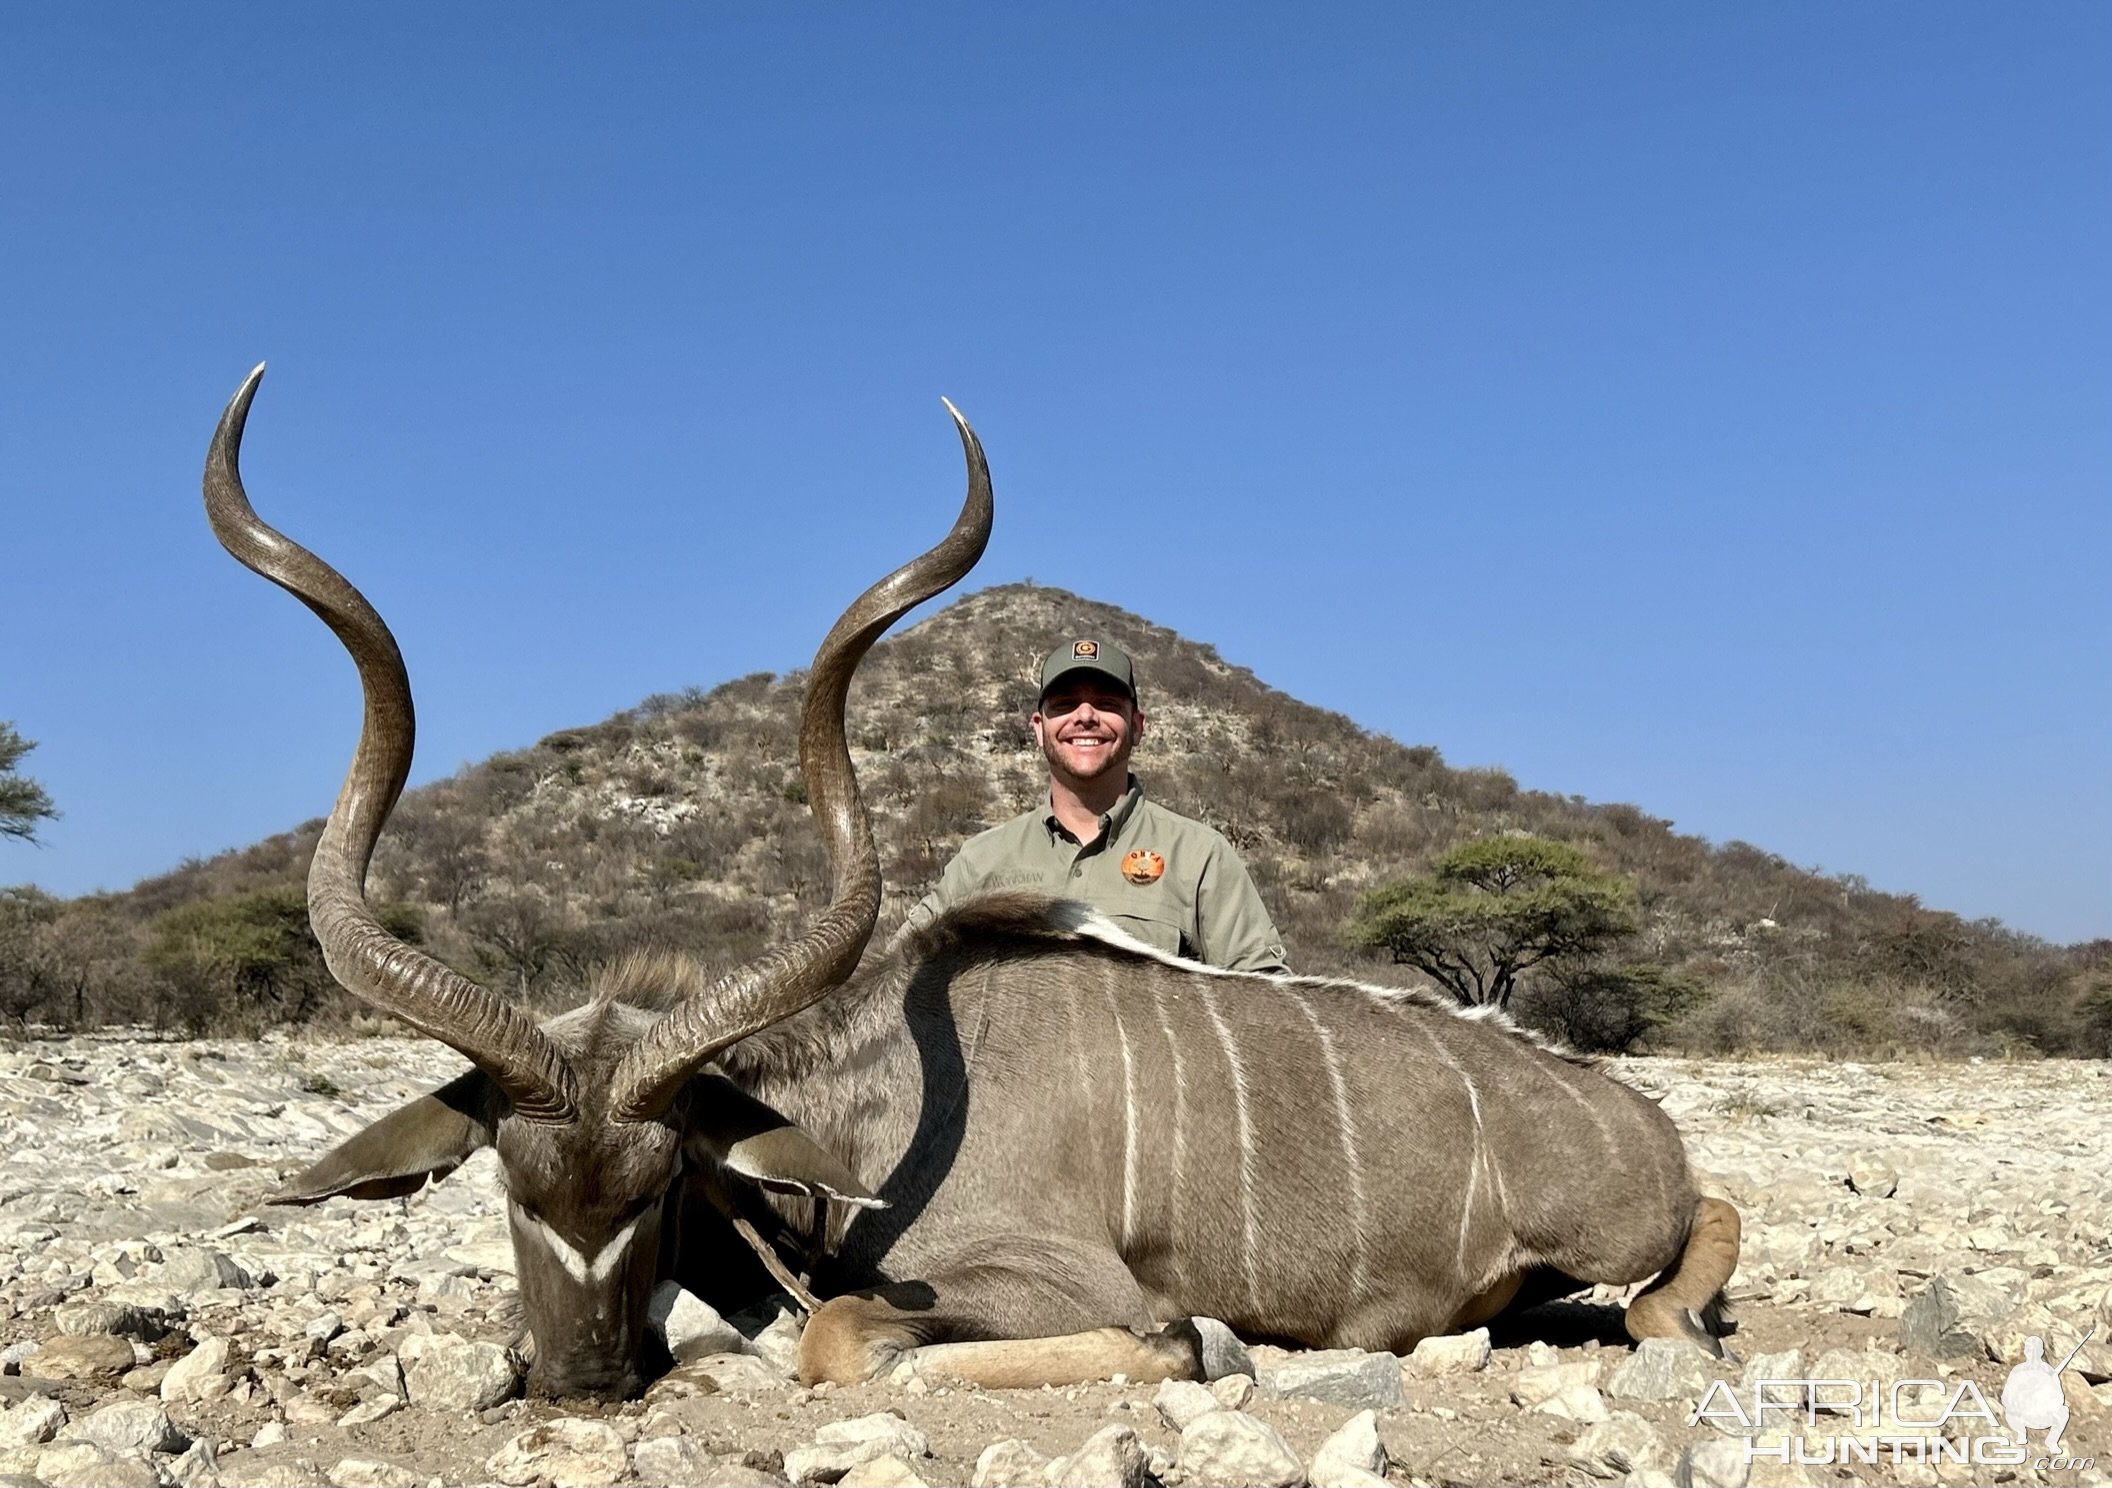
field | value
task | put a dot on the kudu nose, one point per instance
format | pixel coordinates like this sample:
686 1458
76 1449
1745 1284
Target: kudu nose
593 1380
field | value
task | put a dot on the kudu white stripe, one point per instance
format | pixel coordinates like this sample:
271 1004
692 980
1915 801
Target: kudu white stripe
1250 1223
1346 1126
1129 1120
577 1266
1180 1119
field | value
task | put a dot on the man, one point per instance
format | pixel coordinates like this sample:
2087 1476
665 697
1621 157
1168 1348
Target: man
1170 882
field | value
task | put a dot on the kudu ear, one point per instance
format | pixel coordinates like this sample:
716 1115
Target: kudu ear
397 1155
762 1144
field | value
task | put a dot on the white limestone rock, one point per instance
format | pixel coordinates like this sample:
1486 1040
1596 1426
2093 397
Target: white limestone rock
1545 1381
883 1472
32 1423
1956 1317
679 1462
1011 1463
1232 1447
1619 1447
1348 1377
567 1452
190 1270
1574 1403
688 1325
131 1426
373 1472
443 1371
842 1445
1664 1369
1713 1464
1352 1456
1112 1457
1180 1401
200 1375
1451 1353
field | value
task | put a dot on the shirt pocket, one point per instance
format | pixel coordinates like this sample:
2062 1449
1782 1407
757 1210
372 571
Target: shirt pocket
1159 934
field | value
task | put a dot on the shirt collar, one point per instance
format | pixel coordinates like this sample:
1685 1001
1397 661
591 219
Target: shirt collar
1111 824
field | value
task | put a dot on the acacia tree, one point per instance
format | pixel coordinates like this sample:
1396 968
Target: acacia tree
23 802
1495 908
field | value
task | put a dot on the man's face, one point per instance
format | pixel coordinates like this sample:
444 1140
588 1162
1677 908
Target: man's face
1087 726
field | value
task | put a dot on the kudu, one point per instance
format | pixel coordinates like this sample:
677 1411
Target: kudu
1081 1144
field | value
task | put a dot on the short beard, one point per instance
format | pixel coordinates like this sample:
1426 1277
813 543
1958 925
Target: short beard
1116 759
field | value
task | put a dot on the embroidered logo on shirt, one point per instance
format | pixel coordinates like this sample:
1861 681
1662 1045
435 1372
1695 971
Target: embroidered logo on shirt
1086 649
1143 866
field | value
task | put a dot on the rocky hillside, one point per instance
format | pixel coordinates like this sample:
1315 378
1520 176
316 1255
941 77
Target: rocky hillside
683 819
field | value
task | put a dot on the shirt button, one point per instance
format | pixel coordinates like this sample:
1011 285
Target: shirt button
1077 872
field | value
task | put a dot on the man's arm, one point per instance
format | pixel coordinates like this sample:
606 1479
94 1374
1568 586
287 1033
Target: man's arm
1231 921
959 879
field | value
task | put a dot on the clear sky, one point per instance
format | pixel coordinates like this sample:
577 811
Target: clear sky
1704 406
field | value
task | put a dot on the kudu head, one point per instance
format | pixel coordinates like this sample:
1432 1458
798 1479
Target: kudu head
595 1113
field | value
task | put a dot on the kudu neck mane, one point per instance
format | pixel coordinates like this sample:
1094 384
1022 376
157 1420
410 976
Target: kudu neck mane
867 1009
824 1036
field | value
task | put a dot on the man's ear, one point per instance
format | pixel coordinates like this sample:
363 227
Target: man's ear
1037 723
420 1142
1136 726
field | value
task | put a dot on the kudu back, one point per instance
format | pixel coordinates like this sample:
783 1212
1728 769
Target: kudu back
1077 1144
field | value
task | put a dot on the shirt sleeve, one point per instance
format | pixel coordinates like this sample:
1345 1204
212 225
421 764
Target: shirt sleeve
956 882
1232 922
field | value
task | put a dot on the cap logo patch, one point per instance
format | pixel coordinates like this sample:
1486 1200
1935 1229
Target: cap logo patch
1089 650
1143 867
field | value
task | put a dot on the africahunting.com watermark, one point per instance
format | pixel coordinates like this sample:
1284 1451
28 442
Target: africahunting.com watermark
1893 1422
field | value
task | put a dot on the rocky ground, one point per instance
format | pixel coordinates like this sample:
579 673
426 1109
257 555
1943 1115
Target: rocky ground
1911 1221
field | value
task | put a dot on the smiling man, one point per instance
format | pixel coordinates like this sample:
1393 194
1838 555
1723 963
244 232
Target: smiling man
1171 882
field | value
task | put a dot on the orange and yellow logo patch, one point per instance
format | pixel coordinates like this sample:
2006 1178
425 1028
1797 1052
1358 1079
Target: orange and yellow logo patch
1143 866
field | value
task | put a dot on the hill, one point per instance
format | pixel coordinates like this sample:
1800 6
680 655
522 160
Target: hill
683 820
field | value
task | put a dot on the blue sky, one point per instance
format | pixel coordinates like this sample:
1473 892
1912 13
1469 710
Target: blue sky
1708 407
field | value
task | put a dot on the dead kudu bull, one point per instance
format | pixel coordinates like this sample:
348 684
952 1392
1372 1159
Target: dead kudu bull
1080 1143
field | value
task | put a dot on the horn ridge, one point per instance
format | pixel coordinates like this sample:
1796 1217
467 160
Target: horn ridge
790 977
373 964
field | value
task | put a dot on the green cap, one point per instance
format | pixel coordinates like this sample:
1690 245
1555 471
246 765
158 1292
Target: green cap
1089 654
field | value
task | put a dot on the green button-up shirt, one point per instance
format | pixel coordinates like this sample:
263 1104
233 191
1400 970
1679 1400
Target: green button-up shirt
1171 882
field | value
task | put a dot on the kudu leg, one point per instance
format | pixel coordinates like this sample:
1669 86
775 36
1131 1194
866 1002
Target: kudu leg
1684 1302
1002 1326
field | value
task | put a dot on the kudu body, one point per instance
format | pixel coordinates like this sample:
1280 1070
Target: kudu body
1078 1143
